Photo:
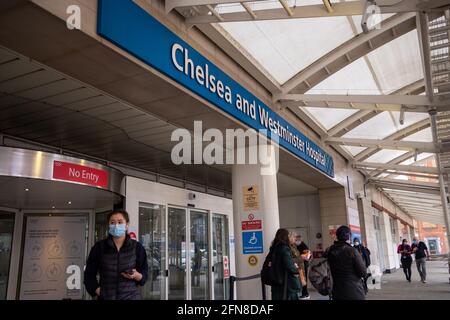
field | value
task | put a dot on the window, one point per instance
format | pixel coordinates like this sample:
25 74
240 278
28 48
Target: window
376 222
393 227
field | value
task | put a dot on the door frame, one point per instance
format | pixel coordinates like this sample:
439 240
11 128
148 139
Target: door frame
90 213
227 244
188 280
15 255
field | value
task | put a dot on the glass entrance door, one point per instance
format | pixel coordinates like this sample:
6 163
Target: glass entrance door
221 257
176 254
152 235
6 234
199 255
188 254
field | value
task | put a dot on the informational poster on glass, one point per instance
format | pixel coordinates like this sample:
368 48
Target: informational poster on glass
53 258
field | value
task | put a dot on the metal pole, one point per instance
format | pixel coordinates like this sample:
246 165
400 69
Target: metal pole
441 181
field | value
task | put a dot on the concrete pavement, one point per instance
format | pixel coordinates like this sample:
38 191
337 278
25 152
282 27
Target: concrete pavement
395 287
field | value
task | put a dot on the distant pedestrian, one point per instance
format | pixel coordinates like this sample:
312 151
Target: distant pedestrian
284 266
405 250
365 254
420 250
306 257
347 267
362 250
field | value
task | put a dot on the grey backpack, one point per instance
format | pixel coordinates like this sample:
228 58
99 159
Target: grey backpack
319 274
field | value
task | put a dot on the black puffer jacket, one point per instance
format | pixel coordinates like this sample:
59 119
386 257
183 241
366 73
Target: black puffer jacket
347 269
105 260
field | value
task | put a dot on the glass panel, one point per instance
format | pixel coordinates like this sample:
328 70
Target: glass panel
152 236
199 255
101 226
219 251
384 124
6 234
285 47
54 251
176 253
385 155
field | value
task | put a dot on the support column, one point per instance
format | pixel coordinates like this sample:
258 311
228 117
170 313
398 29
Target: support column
333 212
255 208
441 181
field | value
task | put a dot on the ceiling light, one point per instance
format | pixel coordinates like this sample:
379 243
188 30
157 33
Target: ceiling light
26 189
70 202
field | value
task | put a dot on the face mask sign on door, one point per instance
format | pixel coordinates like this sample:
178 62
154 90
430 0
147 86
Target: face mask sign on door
53 258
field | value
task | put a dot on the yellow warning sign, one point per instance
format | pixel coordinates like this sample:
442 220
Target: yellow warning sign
251 198
253 260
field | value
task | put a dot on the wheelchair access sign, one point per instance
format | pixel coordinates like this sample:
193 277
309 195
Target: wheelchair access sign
252 242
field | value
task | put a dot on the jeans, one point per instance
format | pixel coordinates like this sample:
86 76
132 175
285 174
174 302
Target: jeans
421 267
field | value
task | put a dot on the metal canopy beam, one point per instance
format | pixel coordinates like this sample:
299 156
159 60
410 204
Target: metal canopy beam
349 8
350 105
397 167
371 99
351 122
420 187
386 144
172 4
310 11
411 195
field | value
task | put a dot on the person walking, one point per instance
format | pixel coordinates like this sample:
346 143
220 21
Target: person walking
365 254
120 261
306 257
298 261
362 250
420 250
347 267
284 267
406 260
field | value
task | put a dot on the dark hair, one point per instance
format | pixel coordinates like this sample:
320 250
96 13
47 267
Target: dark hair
343 233
404 240
281 237
355 239
118 211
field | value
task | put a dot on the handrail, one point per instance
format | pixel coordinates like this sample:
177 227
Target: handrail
233 279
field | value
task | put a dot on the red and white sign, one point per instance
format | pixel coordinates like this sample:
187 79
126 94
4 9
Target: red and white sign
78 173
226 267
251 216
252 225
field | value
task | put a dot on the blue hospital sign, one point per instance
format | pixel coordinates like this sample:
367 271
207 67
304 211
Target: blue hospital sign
128 26
252 242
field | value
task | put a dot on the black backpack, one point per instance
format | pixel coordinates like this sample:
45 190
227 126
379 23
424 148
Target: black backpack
269 275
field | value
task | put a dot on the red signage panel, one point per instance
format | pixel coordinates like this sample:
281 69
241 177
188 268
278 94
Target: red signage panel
77 173
251 225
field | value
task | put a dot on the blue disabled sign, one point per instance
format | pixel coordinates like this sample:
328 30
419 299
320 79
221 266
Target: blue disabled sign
252 242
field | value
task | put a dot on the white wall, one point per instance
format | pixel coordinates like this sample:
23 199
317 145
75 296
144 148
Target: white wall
138 190
302 212
389 243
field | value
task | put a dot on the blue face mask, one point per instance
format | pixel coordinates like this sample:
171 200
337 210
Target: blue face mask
117 230
414 241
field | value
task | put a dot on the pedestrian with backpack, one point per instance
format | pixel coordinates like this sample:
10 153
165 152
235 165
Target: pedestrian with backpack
347 266
279 269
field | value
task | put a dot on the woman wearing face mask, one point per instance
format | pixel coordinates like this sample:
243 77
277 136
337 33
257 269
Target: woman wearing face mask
120 261
405 250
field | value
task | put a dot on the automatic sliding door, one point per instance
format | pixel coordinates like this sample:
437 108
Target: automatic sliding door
176 254
152 236
220 255
199 247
